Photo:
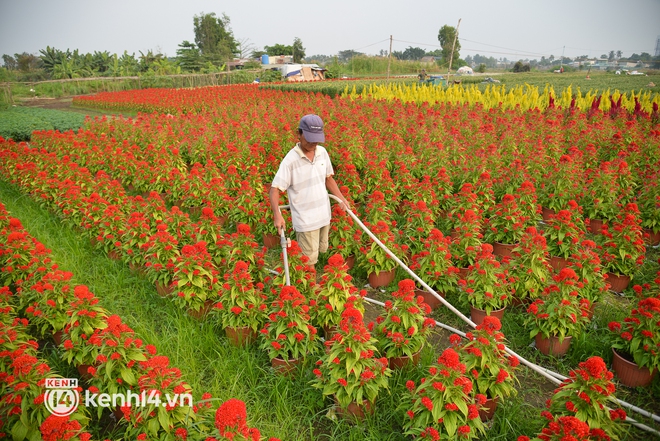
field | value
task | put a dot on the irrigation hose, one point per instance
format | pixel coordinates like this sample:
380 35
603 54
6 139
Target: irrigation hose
551 376
554 377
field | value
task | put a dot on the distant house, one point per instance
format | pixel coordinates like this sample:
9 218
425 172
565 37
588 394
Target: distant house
428 60
299 72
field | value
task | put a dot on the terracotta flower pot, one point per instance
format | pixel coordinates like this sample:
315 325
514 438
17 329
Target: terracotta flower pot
429 298
201 312
163 290
503 249
286 368
618 283
463 272
383 278
114 255
241 336
57 337
522 303
82 371
547 213
355 411
137 269
404 361
488 409
652 239
271 240
558 263
329 331
552 346
596 226
629 374
195 211
478 315
350 261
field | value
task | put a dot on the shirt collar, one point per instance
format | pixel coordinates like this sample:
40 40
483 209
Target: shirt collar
300 152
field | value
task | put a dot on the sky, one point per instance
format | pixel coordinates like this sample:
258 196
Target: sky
512 29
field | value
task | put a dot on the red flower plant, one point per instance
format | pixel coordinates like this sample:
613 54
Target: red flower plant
444 402
585 395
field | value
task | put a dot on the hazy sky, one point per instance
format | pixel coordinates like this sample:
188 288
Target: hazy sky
515 29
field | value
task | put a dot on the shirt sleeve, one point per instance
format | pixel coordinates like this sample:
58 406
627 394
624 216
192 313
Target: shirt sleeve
329 171
282 179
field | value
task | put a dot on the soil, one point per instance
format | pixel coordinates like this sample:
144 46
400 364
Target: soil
63 103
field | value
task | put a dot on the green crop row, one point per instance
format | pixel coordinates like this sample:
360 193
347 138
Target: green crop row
18 123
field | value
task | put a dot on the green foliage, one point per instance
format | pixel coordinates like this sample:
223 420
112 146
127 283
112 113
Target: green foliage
520 67
279 49
18 123
214 37
447 36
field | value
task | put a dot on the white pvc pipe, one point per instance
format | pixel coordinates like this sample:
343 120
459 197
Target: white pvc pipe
551 376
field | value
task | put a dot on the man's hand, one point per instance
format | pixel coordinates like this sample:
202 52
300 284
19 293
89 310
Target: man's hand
344 205
278 221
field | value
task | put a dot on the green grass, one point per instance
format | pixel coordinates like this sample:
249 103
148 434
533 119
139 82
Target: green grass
278 406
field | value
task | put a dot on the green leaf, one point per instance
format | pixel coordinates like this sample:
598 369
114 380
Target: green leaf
128 376
164 419
19 431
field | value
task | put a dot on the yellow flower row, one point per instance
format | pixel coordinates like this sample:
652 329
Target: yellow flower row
523 97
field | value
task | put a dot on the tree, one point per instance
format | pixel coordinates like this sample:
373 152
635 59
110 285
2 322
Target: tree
481 68
348 54
446 36
619 54
520 67
611 56
10 62
189 57
100 61
298 51
244 48
50 57
278 49
27 62
148 60
214 37
128 64
413 53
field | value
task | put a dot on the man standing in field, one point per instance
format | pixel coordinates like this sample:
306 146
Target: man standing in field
305 174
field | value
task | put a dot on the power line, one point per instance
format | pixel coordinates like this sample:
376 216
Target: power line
369 45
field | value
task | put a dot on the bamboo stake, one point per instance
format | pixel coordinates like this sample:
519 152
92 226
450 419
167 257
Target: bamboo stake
389 60
453 47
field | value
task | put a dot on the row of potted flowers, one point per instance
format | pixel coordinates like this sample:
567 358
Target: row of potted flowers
506 221
109 356
192 292
23 377
194 264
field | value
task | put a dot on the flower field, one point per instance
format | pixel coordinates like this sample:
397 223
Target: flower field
179 195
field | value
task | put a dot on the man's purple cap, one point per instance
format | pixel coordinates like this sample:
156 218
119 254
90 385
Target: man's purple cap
312 127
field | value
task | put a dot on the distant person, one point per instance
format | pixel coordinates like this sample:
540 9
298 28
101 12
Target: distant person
305 174
422 75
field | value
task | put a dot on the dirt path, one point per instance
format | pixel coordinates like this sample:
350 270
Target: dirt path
63 103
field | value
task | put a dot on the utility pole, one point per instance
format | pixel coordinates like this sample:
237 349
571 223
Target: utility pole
453 47
389 59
